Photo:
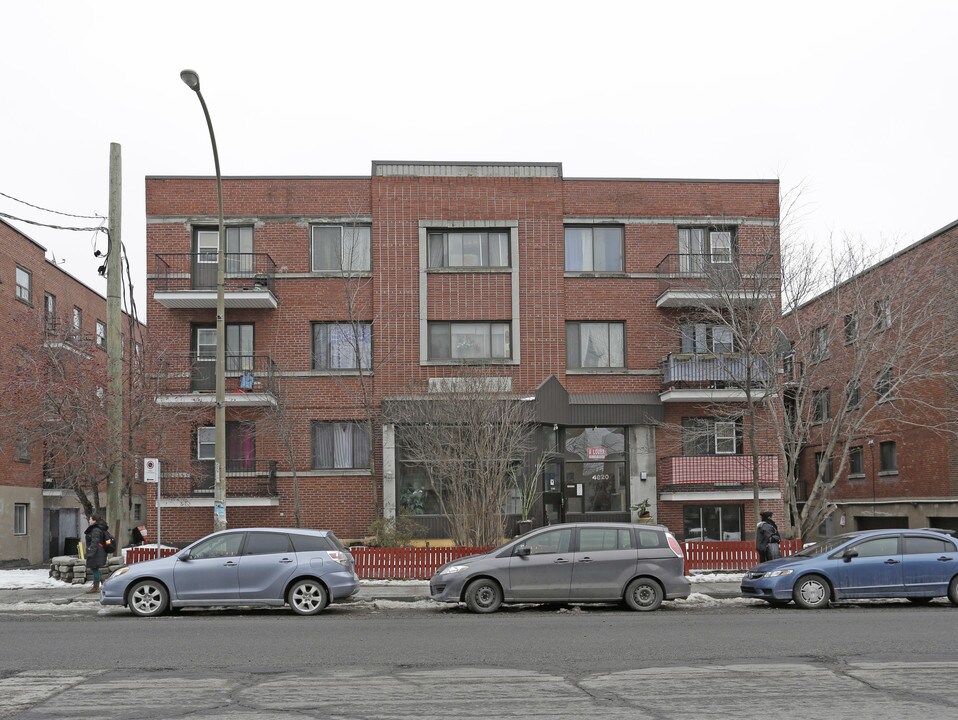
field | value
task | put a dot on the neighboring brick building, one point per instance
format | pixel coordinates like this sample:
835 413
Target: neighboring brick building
571 291
903 458
38 515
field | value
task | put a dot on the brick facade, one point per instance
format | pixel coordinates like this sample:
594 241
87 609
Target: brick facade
535 295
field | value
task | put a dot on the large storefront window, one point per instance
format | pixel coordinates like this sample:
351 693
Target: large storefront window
596 479
713 522
414 492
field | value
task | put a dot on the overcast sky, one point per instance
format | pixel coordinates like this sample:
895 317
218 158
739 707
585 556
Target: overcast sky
855 101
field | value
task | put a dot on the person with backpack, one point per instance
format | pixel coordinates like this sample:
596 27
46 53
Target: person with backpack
767 538
99 544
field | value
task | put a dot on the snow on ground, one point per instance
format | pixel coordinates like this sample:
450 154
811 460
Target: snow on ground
716 577
29 580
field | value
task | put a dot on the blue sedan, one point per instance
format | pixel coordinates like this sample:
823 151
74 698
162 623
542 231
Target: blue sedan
306 569
919 565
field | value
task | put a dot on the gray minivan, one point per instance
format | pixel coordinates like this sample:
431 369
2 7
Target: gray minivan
640 565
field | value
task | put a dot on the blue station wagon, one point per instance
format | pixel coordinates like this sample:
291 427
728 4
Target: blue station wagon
919 565
306 569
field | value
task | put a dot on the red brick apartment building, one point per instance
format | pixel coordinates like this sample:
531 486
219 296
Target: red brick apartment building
884 345
39 515
571 292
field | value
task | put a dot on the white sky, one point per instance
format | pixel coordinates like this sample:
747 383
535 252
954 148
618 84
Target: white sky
855 100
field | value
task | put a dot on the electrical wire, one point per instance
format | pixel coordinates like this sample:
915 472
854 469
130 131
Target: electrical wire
56 212
56 227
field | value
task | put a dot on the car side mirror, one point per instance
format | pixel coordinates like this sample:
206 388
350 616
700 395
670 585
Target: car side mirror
523 552
849 554
185 557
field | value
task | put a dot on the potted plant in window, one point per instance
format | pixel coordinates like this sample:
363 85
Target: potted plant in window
642 511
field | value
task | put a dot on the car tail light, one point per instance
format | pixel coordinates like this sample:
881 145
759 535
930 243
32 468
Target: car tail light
338 556
676 547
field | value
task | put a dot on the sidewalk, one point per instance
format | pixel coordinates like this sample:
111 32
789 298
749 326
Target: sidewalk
713 586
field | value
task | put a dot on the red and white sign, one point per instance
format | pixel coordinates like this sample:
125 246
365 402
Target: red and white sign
596 453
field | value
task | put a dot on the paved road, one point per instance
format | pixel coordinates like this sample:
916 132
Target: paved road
883 660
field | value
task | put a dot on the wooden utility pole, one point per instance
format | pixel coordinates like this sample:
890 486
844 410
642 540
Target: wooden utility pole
116 511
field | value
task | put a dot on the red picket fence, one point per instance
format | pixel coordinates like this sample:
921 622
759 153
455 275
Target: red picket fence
146 552
729 555
373 563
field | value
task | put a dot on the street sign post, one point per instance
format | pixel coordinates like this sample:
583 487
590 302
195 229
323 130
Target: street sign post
151 474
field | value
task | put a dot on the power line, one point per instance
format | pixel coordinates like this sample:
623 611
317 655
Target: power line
56 227
56 212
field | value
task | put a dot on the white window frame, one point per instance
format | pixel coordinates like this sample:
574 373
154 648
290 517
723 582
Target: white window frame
77 318
100 334
720 240
21 516
458 358
207 246
361 264
725 433
24 285
206 438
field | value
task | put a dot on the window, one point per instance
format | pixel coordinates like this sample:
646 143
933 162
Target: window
820 406
267 543
100 334
239 346
595 458
820 343
340 445
851 328
856 461
548 543
593 249
50 310
77 318
137 511
879 547
701 247
23 451
24 285
219 546
465 341
341 248
700 338
885 384
20 513
821 459
888 456
882 312
598 539
311 543
240 258
469 249
595 345
240 445
708 436
342 346
853 394
915 545
712 522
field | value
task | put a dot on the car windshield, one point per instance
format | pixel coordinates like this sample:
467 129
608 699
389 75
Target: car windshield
824 547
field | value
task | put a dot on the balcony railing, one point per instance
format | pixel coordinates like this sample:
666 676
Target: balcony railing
716 471
695 370
244 478
248 377
248 276
687 278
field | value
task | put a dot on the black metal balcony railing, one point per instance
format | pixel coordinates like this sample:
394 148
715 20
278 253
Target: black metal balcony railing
708 273
694 370
197 271
246 477
181 374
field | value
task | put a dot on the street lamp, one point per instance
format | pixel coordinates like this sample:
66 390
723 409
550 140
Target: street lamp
192 81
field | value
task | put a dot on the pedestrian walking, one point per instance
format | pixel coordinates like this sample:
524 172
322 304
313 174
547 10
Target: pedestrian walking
767 538
95 549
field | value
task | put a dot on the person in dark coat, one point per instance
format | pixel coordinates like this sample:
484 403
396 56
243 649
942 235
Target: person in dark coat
95 551
767 538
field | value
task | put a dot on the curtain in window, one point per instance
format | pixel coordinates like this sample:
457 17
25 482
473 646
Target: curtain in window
607 244
327 249
340 445
595 344
578 249
356 248
239 347
691 250
499 249
240 446
239 250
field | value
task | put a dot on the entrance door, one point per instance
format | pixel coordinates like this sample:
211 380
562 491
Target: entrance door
205 255
552 512
204 360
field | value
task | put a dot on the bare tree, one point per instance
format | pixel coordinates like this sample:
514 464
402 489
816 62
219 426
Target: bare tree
469 440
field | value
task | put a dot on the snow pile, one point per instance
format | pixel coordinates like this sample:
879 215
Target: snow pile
28 580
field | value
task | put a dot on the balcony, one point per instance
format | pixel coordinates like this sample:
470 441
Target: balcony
190 381
245 479
729 475
688 280
188 280
693 377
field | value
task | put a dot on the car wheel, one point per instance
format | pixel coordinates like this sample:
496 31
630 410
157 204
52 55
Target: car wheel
148 598
812 592
920 600
643 594
483 596
307 597
953 590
